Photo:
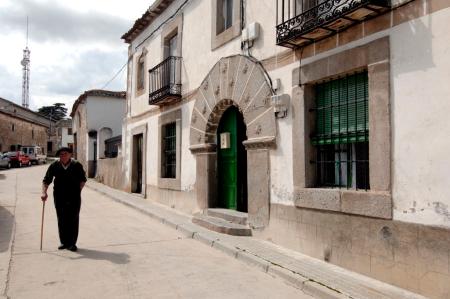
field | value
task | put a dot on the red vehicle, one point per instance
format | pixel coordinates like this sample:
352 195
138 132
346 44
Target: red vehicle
18 159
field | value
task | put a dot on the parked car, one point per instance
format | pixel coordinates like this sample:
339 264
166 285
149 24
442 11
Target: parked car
5 162
35 153
18 159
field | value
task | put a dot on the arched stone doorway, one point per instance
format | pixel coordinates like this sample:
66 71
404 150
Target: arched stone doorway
240 82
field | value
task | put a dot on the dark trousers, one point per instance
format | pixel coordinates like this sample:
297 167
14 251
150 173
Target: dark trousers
68 214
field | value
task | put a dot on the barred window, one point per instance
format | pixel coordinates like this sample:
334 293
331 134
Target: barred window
169 151
342 132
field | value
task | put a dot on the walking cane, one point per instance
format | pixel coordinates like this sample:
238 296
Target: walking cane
42 222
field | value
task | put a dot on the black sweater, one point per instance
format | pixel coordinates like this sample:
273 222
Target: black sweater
67 181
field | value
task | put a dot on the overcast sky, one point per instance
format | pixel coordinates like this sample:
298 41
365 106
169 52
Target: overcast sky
75 46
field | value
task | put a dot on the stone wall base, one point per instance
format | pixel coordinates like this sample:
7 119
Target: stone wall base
411 256
185 201
109 172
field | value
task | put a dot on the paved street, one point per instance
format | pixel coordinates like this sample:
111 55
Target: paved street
122 253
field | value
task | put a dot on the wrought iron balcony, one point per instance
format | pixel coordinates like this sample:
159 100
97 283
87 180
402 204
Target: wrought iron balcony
301 22
165 81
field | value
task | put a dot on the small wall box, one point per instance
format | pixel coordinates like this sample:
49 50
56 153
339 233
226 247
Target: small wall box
225 140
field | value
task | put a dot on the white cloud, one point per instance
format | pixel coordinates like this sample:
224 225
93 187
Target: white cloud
75 46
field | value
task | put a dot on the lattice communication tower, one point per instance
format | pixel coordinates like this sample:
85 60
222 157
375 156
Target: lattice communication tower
26 75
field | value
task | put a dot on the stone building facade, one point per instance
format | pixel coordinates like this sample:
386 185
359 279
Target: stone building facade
337 122
21 126
96 116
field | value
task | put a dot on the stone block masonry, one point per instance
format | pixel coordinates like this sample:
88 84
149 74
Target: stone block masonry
411 256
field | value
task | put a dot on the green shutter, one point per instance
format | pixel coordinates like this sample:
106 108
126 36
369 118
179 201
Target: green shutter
342 111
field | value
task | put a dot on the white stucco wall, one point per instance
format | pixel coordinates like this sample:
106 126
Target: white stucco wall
105 112
188 162
420 52
152 150
420 64
281 171
196 42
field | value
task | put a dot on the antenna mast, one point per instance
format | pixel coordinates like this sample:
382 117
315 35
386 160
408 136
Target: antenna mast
26 74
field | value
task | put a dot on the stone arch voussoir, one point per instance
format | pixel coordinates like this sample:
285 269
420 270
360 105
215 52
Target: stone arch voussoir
233 81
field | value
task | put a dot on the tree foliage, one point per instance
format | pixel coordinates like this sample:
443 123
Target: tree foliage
56 112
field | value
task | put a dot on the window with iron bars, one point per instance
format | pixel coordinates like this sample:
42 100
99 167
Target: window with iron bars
341 133
169 151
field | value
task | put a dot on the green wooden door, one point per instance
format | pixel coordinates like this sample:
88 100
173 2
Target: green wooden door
227 161
232 161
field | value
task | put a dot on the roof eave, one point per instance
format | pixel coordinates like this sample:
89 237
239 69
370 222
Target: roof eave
154 11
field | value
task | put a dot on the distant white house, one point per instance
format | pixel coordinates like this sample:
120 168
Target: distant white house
64 133
96 116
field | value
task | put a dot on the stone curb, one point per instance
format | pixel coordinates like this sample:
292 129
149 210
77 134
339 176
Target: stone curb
253 260
226 248
287 275
205 239
320 291
190 230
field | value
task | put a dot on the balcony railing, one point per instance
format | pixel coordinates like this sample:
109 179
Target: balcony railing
165 81
301 22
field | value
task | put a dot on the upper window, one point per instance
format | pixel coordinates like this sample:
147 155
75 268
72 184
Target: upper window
171 38
301 6
341 133
169 151
226 21
171 44
69 131
224 15
140 72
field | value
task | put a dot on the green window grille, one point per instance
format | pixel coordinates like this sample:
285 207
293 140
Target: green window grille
342 111
169 159
342 132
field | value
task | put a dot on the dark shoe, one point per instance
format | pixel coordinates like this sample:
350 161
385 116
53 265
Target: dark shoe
61 247
73 248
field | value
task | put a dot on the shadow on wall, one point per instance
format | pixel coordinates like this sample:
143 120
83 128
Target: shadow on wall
6 225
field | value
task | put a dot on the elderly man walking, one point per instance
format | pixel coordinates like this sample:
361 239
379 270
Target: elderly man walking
69 179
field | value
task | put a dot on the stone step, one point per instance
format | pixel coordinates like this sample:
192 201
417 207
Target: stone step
229 215
221 226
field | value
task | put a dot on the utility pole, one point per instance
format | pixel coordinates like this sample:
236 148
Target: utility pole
26 75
